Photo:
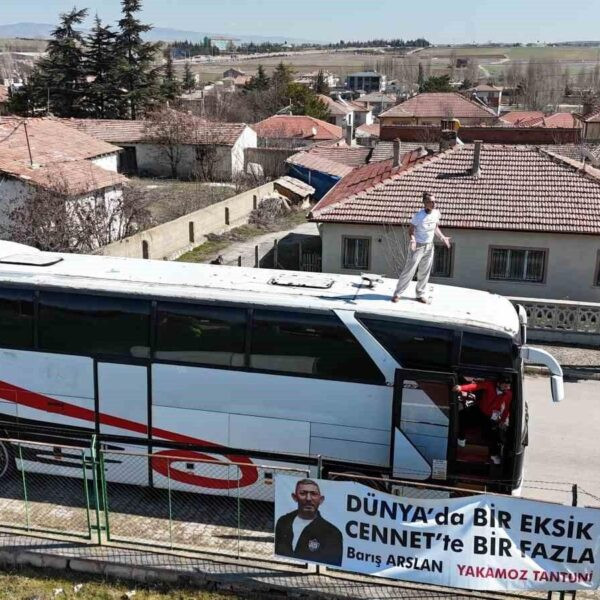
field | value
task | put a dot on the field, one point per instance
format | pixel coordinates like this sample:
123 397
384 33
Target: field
576 58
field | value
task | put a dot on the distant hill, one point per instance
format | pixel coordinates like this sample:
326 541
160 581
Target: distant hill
43 30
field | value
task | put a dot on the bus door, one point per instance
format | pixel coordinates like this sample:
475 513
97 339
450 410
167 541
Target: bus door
423 419
123 411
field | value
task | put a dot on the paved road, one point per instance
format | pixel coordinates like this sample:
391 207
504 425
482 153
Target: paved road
563 441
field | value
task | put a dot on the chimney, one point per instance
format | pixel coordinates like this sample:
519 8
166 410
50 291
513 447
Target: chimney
448 139
476 158
348 134
396 162
588 106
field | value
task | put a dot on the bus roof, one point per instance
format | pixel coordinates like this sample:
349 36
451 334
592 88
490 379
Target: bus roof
451 305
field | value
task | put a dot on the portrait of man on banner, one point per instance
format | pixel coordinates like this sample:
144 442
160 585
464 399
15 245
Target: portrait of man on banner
303 533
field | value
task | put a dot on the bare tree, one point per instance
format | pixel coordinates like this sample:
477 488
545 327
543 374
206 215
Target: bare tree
52 218
170 130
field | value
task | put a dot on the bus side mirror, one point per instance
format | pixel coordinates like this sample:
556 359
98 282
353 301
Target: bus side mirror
558 388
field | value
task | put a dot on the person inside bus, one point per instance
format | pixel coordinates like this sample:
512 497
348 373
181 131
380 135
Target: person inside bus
422 229
490 410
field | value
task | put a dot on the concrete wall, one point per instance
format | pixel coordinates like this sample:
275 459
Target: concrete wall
173 238
592 131
108 161
12 193
272 160
570 265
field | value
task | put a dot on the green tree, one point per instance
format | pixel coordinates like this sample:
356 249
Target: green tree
304 101
170 88
59 78
282 76
138 76
101 99
436 84
259 82
321 86
189 83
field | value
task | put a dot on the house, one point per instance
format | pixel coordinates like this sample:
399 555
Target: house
309 79
435 107
340 113
237 82
378 102
209 150
295 191
490 95
3 100
524 221
521 118
233 73
590 122
295 131
366 81
44 154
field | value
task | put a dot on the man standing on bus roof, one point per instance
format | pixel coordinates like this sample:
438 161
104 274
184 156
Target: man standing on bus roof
304 533
422 229
493 409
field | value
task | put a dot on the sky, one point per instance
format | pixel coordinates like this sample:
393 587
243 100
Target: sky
440 21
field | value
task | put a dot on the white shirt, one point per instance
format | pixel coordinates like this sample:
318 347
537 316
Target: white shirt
425 224
298 526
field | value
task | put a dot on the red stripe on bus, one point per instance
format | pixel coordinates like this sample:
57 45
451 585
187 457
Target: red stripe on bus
249 473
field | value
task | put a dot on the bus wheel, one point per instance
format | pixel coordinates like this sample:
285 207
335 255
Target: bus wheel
7 461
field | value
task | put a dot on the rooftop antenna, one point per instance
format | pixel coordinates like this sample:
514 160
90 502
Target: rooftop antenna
24 123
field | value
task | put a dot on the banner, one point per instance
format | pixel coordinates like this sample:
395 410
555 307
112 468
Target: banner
479 542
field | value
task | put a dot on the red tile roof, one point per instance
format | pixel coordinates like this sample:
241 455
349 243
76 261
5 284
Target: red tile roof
515 117
563 120
292 126
518 188
314 162
131 132
50 141
368 130
441 104
363 178
592 117
352 156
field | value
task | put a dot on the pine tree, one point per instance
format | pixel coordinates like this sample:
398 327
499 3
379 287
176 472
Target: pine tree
321 86
283 75
170 88
189 83
138 77
259 82
101 100
59 78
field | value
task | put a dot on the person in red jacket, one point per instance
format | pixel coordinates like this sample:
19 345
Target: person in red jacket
492 411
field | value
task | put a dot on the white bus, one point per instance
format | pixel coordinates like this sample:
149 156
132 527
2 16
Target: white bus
145 353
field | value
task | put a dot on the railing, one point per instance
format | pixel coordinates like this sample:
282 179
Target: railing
565 319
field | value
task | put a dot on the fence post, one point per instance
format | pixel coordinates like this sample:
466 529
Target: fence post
226 215
86 492
256 263
574 495
239 511
24 479
104 492
275 252
95 474
170 503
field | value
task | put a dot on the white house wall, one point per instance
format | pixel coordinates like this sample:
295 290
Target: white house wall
248 139
107 161
12 193
570 269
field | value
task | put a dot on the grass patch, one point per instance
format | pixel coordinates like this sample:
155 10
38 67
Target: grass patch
27 584
216 243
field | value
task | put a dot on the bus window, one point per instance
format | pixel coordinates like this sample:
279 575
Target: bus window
200 334
88 325
309 344
414 346
16 318
486 350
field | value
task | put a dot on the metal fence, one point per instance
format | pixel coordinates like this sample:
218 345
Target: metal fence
28 501
172 514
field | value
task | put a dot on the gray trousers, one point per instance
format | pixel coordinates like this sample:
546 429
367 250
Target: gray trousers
419 261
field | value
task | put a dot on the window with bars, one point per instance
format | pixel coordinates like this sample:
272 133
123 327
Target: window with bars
356 253
517 264
442 261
